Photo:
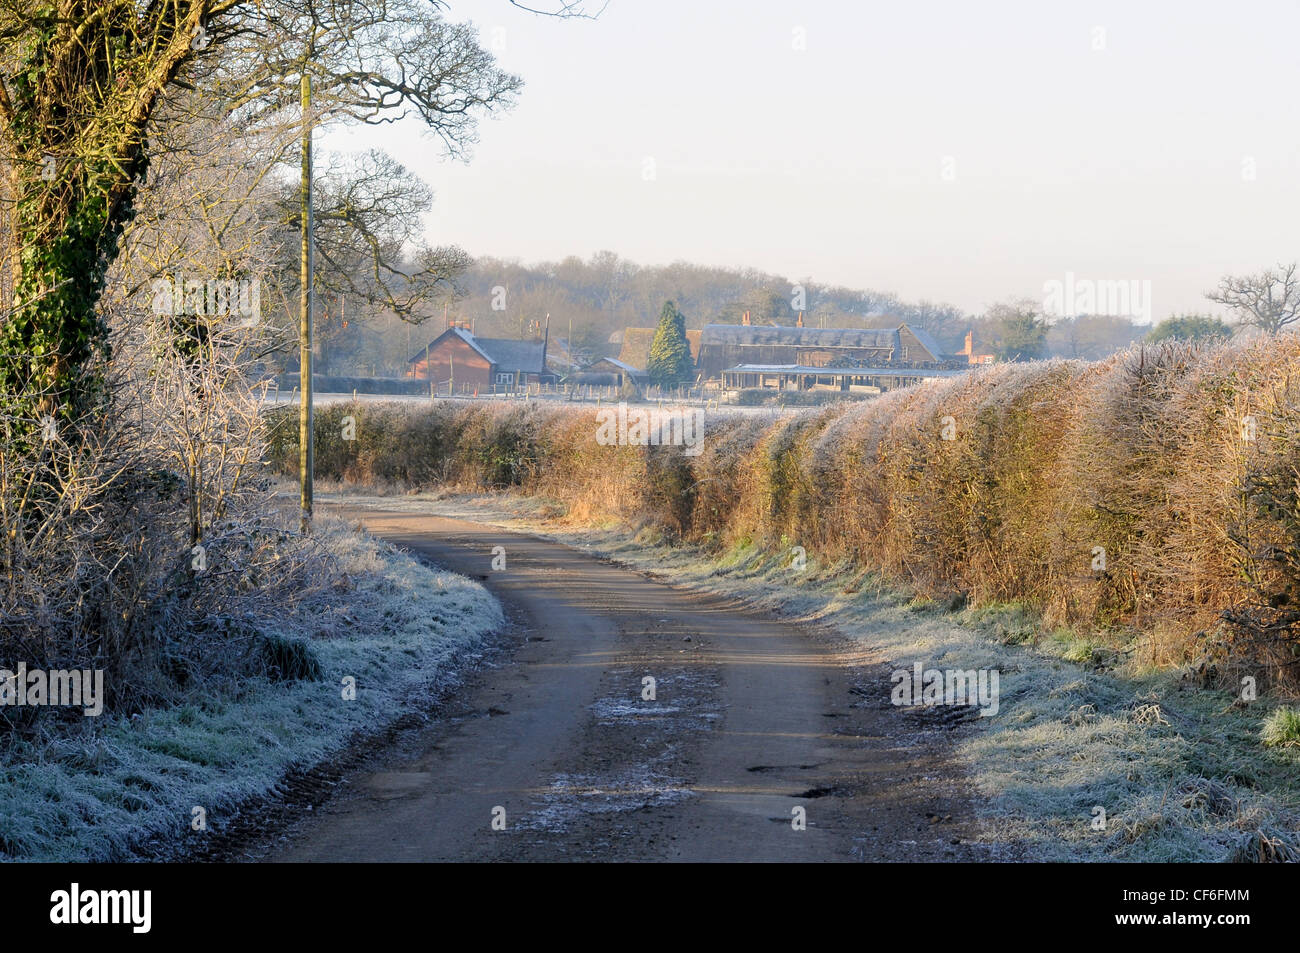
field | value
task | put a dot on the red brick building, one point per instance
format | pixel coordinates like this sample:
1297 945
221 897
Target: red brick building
459 362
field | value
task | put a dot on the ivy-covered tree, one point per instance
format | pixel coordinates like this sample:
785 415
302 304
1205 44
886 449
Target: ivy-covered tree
81 82
670 362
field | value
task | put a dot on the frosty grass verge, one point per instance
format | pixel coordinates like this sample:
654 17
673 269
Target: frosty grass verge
406 629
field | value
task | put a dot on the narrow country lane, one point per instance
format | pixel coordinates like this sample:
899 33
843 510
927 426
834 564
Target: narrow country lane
751 719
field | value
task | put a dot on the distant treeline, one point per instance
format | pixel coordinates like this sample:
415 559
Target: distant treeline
606 294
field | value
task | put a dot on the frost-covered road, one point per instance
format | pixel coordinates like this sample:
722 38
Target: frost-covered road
562 747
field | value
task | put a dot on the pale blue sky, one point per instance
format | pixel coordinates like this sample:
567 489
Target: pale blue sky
1124 162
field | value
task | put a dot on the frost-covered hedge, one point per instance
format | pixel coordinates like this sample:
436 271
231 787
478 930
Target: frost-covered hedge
1153 492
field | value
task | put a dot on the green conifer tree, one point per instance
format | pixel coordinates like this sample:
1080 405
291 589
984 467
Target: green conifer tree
670 362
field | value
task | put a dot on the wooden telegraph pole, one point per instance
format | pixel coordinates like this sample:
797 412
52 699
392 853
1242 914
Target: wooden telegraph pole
306 435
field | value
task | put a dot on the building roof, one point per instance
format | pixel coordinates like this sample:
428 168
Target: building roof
637 341
891 339
760 335
507 354
927 341
850 371
625 368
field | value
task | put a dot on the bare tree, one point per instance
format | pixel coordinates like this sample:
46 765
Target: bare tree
368 235
1269 300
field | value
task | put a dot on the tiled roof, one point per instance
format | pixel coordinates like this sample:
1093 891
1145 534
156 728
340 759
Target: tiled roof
849 371
766 335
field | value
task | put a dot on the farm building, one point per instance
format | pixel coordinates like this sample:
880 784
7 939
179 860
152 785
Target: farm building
856 380
636 342
975 355
725 346
457 361
608 372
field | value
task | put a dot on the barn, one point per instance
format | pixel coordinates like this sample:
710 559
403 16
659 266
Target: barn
724 346
846 380
608 372
459 362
